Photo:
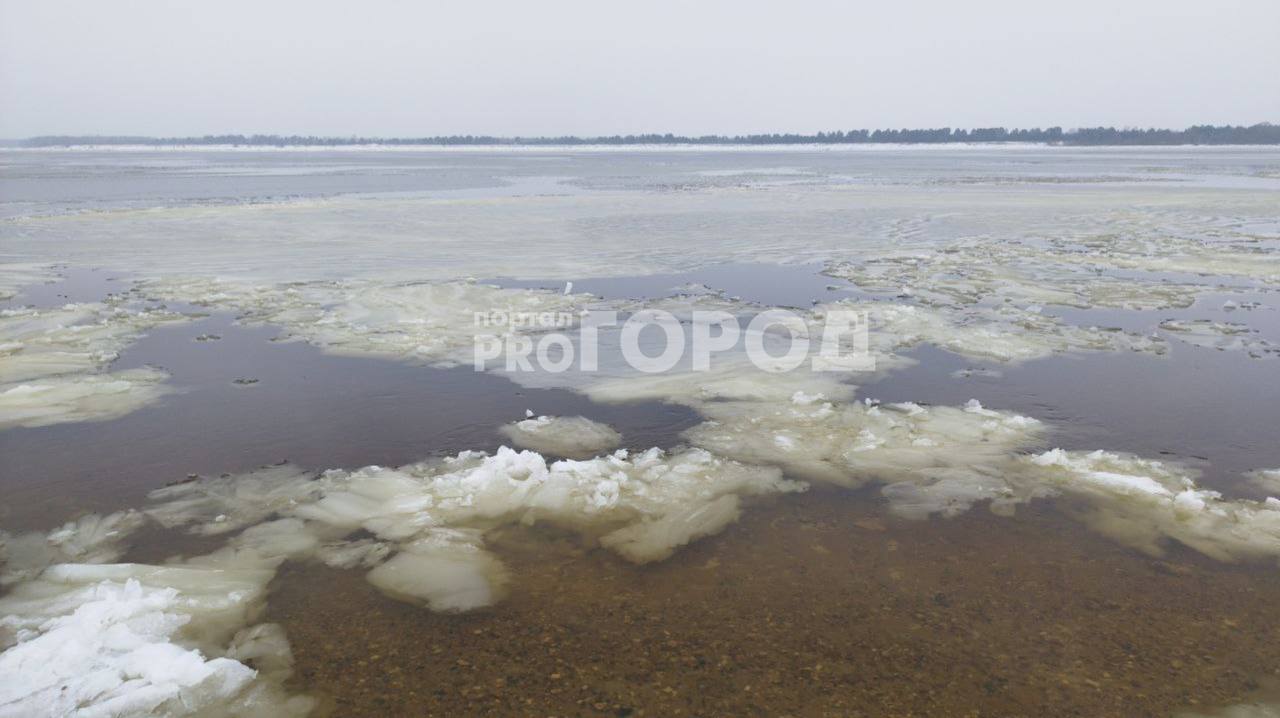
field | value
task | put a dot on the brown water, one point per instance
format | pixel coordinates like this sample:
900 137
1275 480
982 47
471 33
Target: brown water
306 407
812 605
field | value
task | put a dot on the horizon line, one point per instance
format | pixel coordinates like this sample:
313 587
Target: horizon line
1258 133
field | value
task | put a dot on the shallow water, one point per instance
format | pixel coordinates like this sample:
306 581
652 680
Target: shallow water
817 603
316 410
816 606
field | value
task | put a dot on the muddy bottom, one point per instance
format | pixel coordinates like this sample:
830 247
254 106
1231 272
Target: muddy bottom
814 605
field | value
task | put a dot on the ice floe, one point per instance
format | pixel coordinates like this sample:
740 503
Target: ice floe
1142 503
574 437
71 339
136 640
228 503
997 271
92 538
14 276
180 637
1267 480
88 397
993 285
54 363
1139 502
125 639
1006 334
183 638
851 444
1223 336
449 570
643 506
418 321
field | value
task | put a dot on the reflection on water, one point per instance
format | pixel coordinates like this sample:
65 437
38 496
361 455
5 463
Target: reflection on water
313 409
1214 410
812 604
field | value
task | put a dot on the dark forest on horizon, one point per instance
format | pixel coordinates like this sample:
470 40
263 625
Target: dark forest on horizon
1259 134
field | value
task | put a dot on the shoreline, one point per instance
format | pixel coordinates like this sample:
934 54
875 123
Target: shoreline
622 148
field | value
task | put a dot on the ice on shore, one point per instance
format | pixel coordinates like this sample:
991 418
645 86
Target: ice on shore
429 519
136 640
574 437
360 553
81 636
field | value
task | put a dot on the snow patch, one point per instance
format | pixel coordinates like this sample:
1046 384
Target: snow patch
135 640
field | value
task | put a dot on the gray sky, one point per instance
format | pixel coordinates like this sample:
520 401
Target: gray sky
380 67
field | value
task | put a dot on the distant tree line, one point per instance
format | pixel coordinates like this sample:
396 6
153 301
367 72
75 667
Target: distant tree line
1260 134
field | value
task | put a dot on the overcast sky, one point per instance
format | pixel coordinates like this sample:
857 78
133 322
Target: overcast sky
549 67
